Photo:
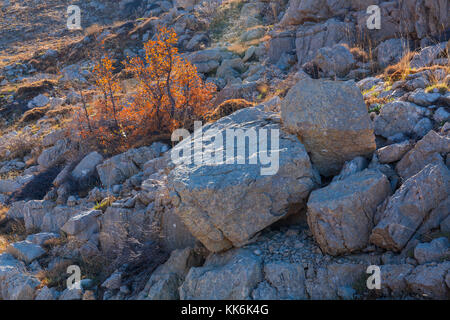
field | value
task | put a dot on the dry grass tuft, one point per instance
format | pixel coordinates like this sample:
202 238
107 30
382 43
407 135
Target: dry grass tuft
400 70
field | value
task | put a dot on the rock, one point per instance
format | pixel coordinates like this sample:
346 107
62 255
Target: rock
301 11
309 39
351 167
40 101
393 278
85 222
167 278
445 225
280 42
46 294
7 186
122 166
9 267
368 83
53 155
253 33
410 206
249 53
334 61
398 117
113 282
428 280
285 280
441 115
230 69
198 41
71 294
340 215
325 282
422 127
25 251
427 55
425 151
420 97
208 60
436 250
225 204
52 138
229 276
19 287
40 238
331 119
389 52
86 167
394 152
44 216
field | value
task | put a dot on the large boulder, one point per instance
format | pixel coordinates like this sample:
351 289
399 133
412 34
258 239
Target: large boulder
224 204
86 167
340 215
331 119
427 150
412 206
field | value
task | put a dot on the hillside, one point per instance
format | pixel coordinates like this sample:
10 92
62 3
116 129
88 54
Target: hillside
225 150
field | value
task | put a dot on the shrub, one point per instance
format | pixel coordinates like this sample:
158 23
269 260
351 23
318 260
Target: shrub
169 95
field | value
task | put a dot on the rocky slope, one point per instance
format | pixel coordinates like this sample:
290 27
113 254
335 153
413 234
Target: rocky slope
363 177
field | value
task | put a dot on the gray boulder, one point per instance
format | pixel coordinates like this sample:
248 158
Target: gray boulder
422 98
53 155
340 215
25 251
428 280
83 225
122 166
224 204
398 117
394 152
229 276
331 120
336 61
167 278
436 250
427 150
393 278
283 281
86 167
390 52
427 55
309 39
410 207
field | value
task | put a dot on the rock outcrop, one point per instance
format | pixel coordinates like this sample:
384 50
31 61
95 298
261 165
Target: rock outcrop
341 215
331 120
224 205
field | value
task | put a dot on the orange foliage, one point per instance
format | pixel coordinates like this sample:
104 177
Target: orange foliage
170 94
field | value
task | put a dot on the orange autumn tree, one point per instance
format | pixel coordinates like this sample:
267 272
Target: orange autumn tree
170 94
